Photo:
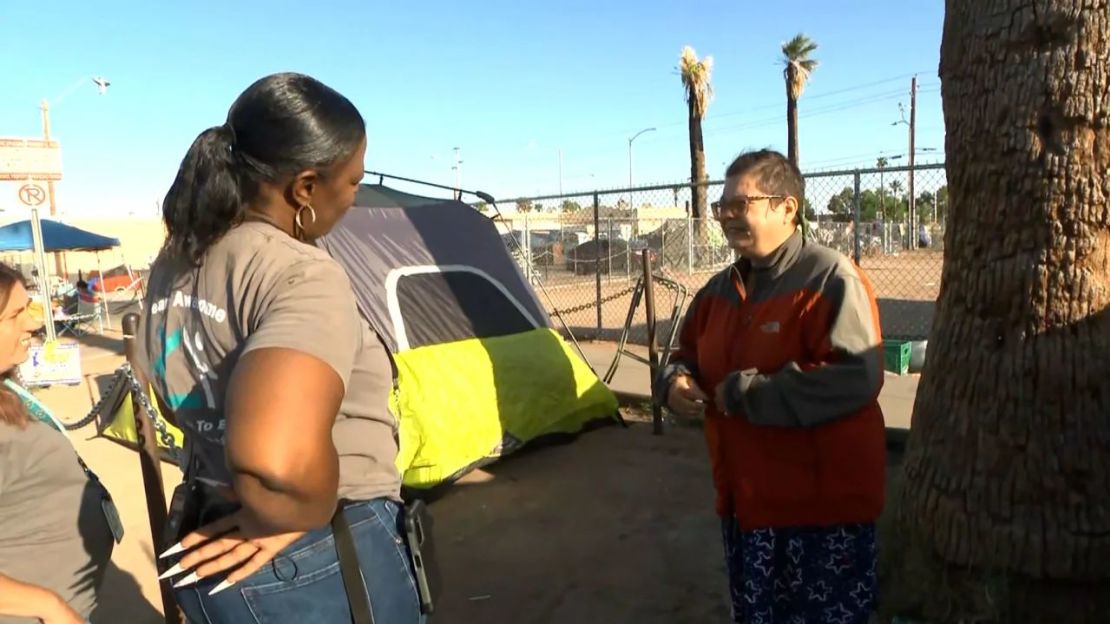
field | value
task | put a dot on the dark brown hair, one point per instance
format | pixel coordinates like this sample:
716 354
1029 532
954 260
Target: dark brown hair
12 410
774 173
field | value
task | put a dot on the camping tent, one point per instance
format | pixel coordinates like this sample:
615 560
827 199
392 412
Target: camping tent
481 372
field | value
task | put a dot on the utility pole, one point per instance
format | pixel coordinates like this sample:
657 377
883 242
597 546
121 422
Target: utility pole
58 268
560 171
458 170
913 127
633 211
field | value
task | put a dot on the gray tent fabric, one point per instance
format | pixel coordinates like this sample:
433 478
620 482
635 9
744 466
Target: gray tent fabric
428 271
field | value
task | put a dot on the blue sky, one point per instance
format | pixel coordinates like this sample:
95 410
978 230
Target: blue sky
510 83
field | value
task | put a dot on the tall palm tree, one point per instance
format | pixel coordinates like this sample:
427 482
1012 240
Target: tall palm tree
695 80
797 69
1003 514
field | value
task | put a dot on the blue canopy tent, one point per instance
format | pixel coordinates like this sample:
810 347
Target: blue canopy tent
56 236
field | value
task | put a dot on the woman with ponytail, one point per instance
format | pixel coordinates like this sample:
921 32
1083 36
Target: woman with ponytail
255 348
56 519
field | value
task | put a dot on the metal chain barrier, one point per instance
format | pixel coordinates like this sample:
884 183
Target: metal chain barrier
594 304
139 393
96 409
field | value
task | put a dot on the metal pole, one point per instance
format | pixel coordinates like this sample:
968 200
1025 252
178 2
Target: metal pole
50 183
527 235
653 351
150 466
597 259
856 211
104 299
689 245
913 198
560 172
38 247
609 250
882 196
458 170
632 211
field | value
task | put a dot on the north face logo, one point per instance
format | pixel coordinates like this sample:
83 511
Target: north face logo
770 327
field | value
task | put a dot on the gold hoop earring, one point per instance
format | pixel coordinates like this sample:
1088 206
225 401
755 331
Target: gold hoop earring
298 219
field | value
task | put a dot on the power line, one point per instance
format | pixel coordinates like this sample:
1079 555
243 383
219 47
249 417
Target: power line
817 96
828 108
598 155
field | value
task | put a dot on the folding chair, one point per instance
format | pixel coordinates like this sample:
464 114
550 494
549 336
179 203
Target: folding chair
80 323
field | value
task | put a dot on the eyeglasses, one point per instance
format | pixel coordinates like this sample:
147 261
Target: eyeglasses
739 205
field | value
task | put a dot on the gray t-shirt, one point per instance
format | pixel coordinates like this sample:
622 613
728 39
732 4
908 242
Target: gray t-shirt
256 288
52 528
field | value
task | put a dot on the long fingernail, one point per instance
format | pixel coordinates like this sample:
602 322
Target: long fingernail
172 550
174 571
224 584
188 580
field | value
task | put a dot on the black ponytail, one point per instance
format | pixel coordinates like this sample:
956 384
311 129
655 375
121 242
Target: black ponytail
205 199
280 126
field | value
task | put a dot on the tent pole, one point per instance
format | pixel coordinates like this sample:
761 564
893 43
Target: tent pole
104 299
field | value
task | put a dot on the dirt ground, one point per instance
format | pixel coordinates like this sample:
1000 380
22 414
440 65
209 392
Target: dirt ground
615 526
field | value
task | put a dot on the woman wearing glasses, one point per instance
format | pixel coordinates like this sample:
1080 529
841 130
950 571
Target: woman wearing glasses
782 352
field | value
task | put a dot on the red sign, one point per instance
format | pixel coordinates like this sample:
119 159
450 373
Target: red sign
32 195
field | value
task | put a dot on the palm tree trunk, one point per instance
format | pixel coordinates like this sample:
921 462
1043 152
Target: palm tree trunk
791 116
698 205
1006 493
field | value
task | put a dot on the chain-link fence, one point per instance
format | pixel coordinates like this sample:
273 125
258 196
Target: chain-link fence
584 252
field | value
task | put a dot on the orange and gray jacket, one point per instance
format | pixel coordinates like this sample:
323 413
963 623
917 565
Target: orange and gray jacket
796 341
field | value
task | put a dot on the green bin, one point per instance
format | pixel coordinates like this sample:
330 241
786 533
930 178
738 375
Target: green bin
897 355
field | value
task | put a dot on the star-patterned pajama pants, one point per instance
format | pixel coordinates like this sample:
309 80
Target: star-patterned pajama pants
792 575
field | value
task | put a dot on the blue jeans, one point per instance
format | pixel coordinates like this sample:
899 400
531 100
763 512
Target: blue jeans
303 583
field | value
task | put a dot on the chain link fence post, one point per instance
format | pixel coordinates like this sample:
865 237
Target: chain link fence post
597 257
526 244
856 216
689 244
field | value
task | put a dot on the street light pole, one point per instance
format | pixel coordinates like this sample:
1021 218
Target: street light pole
630 153
45 107
560 171
636 220
38 246
458 170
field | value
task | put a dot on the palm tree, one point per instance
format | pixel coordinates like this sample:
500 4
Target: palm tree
797 68
1004 510
695 76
